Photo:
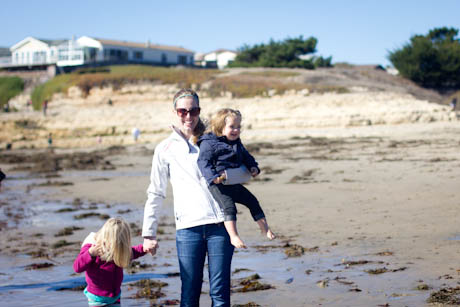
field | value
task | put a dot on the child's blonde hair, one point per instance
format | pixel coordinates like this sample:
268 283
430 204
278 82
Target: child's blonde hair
115 239
218 120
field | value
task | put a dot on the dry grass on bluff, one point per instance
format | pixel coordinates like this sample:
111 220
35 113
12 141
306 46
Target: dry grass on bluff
238 82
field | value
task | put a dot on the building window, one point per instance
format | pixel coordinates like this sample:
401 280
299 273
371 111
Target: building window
181 60
164 58
138 55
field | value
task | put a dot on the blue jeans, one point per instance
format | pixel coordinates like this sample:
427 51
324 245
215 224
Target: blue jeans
192 245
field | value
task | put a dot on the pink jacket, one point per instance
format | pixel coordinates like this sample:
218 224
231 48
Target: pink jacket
103 278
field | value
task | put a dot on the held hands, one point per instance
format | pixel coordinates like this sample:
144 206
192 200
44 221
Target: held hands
150 245
220 179
254 171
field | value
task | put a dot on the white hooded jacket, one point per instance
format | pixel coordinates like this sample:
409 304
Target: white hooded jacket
175 159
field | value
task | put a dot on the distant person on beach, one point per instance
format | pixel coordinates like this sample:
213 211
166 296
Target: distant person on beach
102 257
45 106
50 139
135 132
2 176
220 150
453 104
199 220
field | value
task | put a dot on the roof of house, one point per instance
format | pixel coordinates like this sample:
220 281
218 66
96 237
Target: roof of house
53 42
222 51
141 45
4 52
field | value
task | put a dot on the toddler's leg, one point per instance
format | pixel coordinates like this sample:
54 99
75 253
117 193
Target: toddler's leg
263 225
235 239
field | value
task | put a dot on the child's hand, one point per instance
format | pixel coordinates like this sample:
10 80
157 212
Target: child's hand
254 171
220 179
95 250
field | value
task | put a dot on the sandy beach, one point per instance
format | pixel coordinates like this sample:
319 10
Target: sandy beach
361 189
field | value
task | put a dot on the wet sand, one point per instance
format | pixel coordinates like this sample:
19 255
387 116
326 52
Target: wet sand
366 216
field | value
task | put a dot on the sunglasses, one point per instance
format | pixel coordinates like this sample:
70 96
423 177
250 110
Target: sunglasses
183 112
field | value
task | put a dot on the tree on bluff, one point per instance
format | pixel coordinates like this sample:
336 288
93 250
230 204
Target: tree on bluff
281 54
431 60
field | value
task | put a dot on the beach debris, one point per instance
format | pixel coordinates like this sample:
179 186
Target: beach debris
305 177
295 250
40 253
135 229
250 304
250 283
290 280
61 243
67 231
323 283
357 262
384 305
422 287
63 210
237 270
91 214
163 303
136 266
149 289
38 266
308 272
268 170
384 253
448 295
377 271
342 281
355 290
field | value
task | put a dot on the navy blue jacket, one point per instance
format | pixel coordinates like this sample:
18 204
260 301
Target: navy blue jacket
218 154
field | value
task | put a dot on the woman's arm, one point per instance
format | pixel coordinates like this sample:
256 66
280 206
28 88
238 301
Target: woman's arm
156 193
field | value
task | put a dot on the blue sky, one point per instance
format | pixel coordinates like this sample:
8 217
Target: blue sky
357 31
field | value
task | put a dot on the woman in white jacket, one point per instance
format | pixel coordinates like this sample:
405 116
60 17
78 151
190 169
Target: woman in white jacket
199 219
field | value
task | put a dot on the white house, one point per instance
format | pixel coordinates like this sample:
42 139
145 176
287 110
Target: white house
105 50
33 51
219 58
86 50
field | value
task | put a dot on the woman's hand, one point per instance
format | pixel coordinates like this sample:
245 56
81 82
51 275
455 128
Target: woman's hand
95 250
254 171
150 245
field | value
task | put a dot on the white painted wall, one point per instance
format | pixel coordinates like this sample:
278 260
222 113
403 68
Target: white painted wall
30 51
222 58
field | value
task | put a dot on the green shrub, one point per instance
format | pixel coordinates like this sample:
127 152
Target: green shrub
431 60
9 88
281 54
58 84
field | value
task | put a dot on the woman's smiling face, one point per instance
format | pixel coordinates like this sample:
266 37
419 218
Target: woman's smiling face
186 122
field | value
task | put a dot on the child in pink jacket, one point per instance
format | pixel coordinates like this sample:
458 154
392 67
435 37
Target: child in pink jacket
103 256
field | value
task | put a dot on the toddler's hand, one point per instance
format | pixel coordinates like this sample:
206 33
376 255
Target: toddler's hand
254 171
220 179
95 250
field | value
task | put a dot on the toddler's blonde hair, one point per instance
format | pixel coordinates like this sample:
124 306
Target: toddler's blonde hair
115 239
218 120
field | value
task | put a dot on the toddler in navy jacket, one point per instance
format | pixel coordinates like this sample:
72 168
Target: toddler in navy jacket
221 150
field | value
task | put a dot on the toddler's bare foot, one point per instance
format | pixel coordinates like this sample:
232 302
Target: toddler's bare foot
237 242
270 235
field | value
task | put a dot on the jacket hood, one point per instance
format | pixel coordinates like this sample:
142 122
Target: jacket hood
208 137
